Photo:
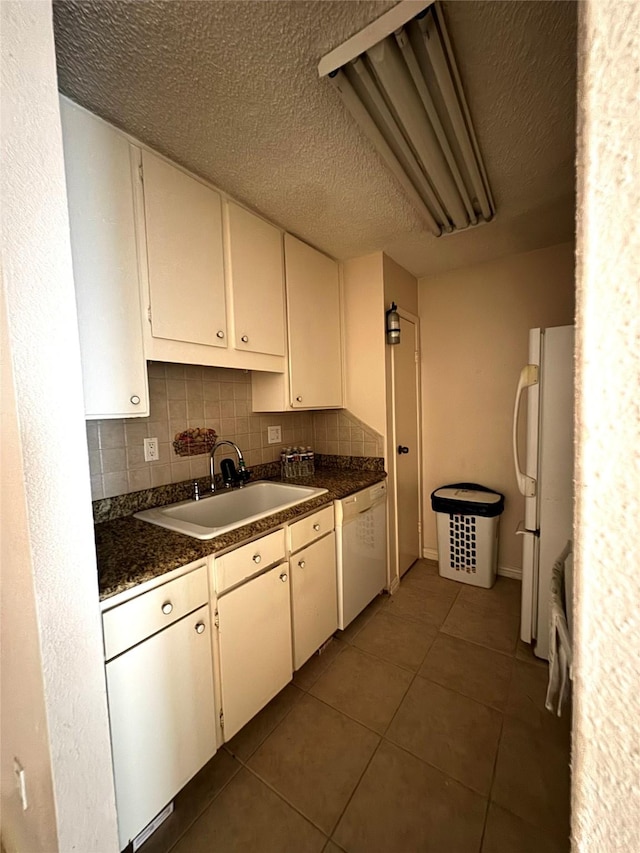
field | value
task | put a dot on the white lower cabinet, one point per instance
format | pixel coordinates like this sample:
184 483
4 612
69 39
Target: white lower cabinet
162 714
254 642
314 597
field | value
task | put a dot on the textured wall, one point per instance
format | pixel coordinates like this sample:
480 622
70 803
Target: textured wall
54 556
23 718
606 789
475 324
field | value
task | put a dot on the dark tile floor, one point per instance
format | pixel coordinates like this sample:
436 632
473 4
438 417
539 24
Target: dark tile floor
420 728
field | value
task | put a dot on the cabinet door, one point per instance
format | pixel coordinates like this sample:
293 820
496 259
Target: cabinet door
255 646
105 265
256 274
183 220
314 596
314 327
161 708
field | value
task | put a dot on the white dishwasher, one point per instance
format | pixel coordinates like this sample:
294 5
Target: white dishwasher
361 544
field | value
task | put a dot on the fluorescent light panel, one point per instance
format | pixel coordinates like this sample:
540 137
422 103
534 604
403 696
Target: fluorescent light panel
399 80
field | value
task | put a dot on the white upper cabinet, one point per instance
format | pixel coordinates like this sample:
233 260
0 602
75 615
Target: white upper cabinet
314 333
100 191
256 282
183 219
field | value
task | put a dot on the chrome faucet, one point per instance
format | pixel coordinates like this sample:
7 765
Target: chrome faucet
242 471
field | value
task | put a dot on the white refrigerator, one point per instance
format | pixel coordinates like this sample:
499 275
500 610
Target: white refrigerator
546 476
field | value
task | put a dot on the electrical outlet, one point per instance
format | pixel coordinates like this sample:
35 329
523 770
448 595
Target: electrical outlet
274 435
21 783
151 450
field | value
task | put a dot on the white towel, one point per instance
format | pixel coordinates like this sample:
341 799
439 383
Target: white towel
560 653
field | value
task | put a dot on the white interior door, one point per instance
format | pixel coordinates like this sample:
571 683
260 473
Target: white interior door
406 446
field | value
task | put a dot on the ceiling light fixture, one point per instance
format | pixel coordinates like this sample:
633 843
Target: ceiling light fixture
399 80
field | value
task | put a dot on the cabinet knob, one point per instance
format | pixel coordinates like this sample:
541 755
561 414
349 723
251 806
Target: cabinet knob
299 398
256 558
199 627
167 607
402 449
245 339
301 563
316 527
135 399
220 333
283 577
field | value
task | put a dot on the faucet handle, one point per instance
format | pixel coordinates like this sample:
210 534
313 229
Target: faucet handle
196 490
243 474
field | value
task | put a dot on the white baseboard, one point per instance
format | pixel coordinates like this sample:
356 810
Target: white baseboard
510 572
503 571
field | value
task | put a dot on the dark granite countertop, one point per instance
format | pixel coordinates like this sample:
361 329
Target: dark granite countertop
130 551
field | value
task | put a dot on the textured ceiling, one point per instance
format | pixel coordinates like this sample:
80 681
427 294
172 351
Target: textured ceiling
231 91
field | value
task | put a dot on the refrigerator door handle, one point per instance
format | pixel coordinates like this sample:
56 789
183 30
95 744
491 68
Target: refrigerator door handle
521 530
528 376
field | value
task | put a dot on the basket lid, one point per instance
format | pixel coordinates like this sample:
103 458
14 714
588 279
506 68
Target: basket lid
468 495
467 499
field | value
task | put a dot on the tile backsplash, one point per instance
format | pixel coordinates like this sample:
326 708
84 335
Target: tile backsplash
185 396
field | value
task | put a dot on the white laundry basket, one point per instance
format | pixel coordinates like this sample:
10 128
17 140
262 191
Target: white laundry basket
467 522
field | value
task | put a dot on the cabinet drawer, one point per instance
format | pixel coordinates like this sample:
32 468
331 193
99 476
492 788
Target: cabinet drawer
133 621
234 567
311 528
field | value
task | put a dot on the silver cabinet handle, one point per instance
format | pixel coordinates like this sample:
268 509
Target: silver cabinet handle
220 333
256 558
200 627
245 339
316 527
299 398
167 607
301 563
135 399
283 577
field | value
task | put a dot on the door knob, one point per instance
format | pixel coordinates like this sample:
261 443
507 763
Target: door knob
402 449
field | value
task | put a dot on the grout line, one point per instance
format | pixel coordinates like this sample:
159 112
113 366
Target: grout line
493 777
435 767
270 732
284 799
202 811
355 788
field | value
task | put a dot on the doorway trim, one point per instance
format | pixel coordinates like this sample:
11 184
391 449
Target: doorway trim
394 575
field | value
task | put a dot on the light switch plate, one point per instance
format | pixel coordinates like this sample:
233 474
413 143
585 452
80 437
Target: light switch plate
274 434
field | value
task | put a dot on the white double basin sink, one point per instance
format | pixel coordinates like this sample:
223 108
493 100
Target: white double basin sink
228 509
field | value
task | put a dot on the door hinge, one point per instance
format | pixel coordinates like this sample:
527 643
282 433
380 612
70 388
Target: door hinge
141 172
149 313
419 527
417 356
216 619
221 719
